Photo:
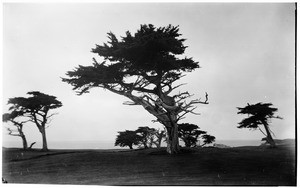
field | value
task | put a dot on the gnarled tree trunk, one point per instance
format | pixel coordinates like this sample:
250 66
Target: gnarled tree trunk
165 110
172 138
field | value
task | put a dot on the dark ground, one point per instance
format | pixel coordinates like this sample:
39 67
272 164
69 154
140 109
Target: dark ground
251 165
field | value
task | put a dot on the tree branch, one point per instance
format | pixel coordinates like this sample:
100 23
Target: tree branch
11 132
52 115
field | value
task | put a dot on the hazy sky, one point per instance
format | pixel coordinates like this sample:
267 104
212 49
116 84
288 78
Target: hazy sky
246 53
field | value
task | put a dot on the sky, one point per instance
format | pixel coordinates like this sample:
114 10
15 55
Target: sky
246 53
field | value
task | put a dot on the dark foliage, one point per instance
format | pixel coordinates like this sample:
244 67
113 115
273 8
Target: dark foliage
143 67
208 139
149 53
145 136
189 133
36 108
37 102
127 138
259 114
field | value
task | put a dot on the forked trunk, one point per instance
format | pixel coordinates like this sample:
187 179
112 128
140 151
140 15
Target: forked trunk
168 119
172 139
269 136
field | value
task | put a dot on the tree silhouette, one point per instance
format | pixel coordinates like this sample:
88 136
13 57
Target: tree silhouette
159 135
189 133
207 139
13 118
36 108
127 138
259 114
143 67
146 136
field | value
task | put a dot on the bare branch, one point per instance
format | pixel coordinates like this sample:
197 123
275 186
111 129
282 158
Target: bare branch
131 103
178 86
182 96
186 108
22 122
186 111
48 125
48 122
52 115
180 118
148 98
10 132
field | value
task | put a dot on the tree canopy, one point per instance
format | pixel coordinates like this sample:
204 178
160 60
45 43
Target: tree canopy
127 138
143 67
143 136
190 133
208 139
150 55
257 114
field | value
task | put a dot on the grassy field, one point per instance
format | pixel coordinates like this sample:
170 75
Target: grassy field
251 165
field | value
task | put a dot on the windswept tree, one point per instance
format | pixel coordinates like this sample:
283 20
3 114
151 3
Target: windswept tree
37 108
15 117
127 138
189 134
143 67
207 139
146 136
259 114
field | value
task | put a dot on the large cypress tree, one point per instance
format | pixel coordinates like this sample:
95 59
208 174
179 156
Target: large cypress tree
143 67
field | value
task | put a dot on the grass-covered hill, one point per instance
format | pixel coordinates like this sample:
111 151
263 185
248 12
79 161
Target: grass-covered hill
249 165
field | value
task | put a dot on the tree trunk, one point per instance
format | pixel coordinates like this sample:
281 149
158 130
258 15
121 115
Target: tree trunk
21 134
159 139
269 136
151 142
168 119
172 139
24 141
45 145
159 143
130 146
145 145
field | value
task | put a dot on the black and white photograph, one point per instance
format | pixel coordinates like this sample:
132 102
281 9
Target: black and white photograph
149 93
